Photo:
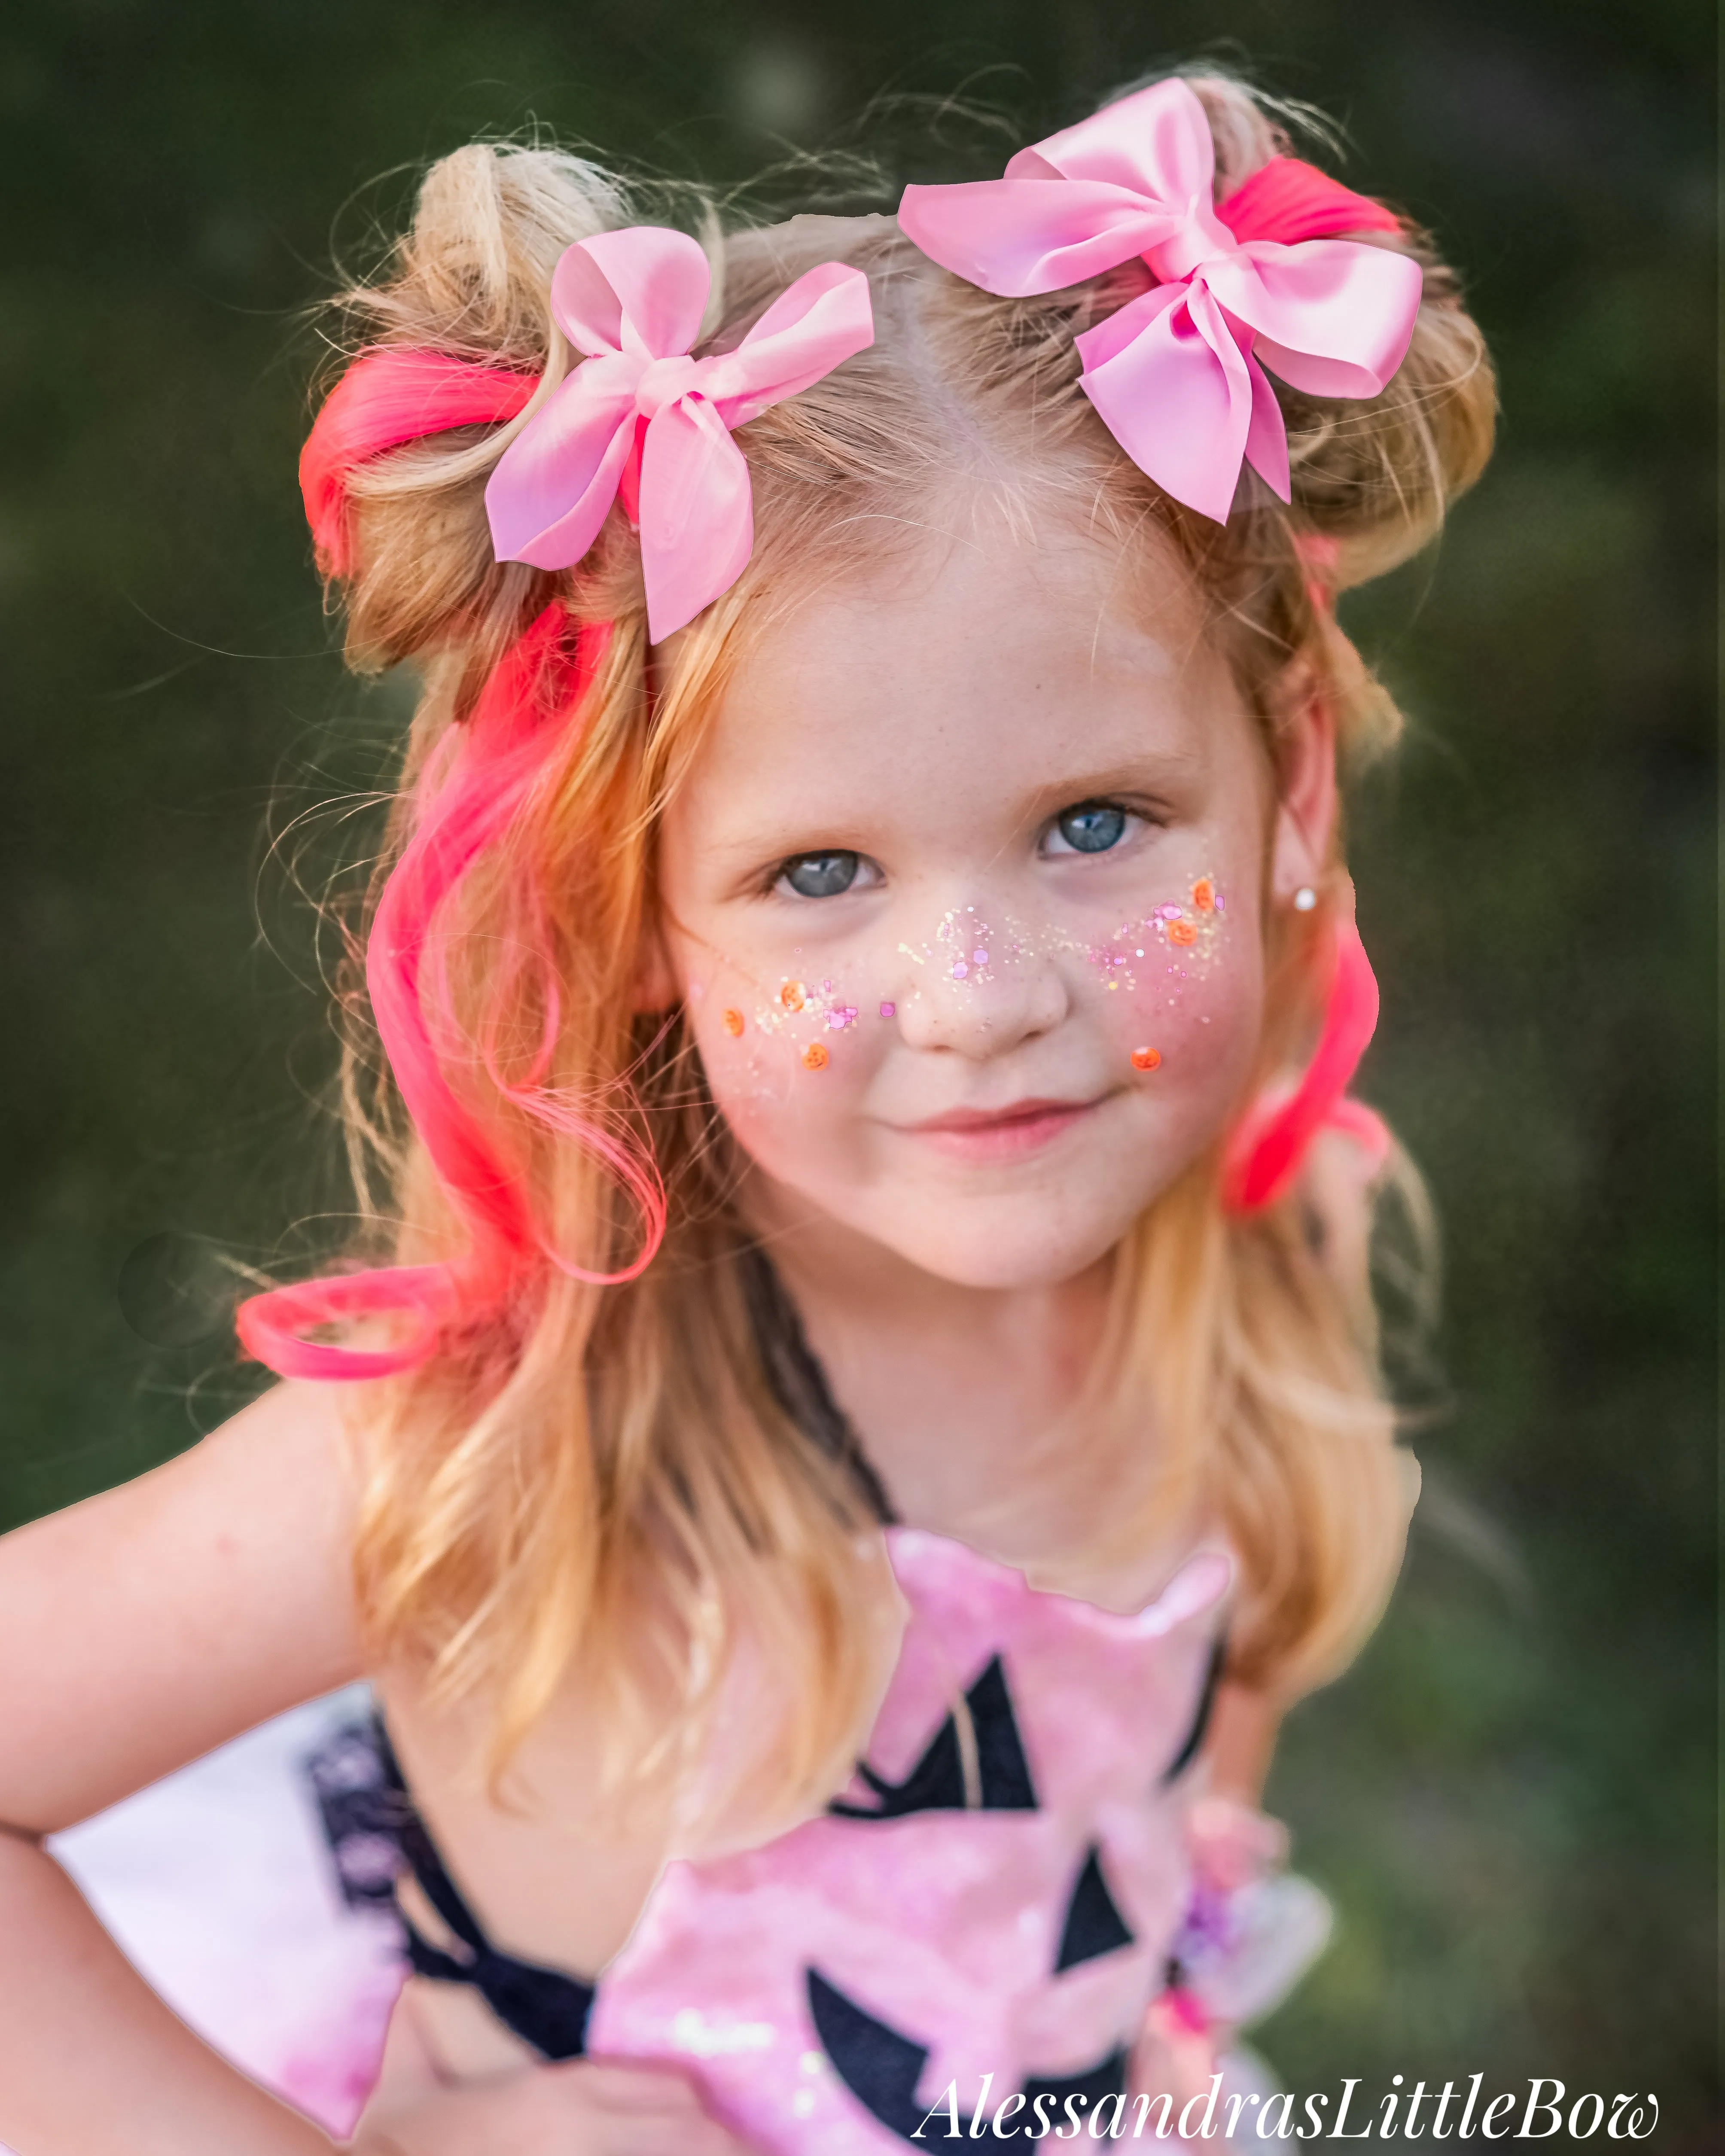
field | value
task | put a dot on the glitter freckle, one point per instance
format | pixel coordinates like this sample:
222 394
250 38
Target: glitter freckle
814 1057
978 958
1146 1058
961 972
793 995
889 1010
733 1023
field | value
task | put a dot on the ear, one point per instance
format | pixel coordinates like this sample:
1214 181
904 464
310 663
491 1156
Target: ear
1304 781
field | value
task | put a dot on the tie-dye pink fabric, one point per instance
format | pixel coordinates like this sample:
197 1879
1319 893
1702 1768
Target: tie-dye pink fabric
944 1926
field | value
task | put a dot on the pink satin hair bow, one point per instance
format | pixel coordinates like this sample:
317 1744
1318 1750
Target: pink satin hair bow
638 418
1177 373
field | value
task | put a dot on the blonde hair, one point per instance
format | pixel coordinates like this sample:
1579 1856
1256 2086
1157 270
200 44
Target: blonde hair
608 1473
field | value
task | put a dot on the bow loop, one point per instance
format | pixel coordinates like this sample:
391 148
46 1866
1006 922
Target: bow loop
1178 375
827 312
1328 314
642 291
642 418
1145 141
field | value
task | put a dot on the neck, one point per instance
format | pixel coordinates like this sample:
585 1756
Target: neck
969 1401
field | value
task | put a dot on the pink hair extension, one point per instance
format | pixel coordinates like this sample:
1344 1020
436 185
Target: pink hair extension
385 399
1318 557
465 802
466 799
1270 1144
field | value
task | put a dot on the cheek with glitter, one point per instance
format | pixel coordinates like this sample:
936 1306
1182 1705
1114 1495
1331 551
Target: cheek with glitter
796 1012
1173 943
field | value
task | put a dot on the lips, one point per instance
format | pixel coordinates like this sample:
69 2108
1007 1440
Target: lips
1011 1132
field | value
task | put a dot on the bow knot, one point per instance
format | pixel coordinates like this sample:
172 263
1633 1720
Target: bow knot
662 382
1178 375
641 419
1198 237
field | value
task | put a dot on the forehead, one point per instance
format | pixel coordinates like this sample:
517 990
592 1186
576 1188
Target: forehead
985 664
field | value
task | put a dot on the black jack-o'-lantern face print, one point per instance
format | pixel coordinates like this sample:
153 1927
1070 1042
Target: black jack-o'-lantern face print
976 1762
981 1915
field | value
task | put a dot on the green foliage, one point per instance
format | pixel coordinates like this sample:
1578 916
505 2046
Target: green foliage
1510 1798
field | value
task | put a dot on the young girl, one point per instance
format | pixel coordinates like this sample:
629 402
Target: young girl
862 1409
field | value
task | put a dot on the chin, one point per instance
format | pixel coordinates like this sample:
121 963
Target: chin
978 1248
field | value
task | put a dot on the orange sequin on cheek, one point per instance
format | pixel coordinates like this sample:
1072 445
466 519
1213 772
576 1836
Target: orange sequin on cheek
1181 932
793 995
1204 895
1146 1058
814 1057
733 1023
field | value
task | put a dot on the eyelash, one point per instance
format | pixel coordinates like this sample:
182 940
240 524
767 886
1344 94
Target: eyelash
1134 817
868 870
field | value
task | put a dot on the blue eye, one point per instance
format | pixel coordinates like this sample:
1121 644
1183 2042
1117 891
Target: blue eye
819 875
1091 827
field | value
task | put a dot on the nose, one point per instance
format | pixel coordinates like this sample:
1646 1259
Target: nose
978 995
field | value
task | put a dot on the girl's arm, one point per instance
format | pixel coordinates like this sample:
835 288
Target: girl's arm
138 1630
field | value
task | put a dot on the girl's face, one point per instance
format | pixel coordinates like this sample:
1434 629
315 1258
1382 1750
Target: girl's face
963 896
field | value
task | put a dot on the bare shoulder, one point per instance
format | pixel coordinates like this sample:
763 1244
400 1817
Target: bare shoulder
146 1625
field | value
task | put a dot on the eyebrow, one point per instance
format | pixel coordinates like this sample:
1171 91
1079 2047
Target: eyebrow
1145 775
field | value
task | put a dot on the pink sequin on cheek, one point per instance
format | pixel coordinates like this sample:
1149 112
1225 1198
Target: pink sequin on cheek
889 1010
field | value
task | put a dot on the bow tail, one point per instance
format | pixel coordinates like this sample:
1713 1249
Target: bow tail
557 479
698 521
1172 385
1266 442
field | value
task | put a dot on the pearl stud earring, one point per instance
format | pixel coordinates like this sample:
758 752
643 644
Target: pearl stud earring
1304 899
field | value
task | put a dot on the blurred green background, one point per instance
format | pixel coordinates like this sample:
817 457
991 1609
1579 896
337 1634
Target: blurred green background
1511 1798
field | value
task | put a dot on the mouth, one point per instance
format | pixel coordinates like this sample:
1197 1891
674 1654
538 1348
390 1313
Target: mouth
1008 1133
